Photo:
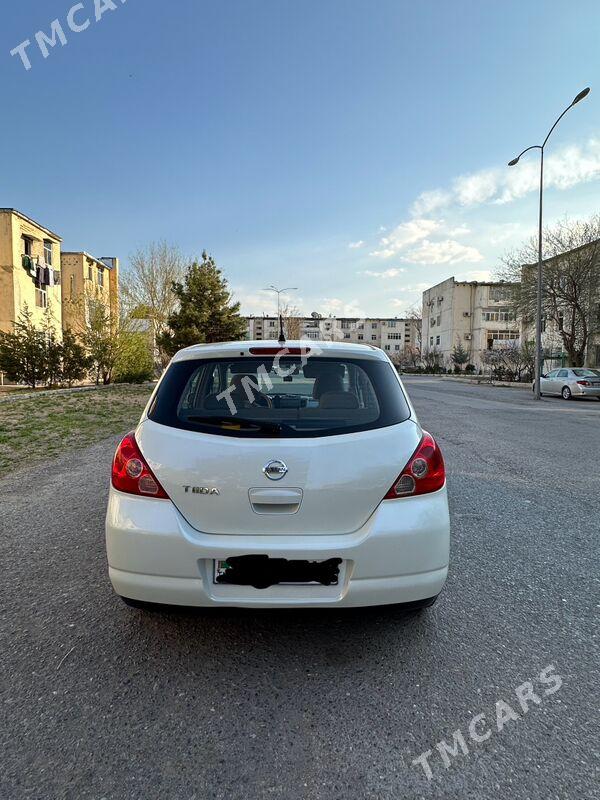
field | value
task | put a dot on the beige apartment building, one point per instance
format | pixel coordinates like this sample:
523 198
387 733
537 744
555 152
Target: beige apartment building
474 314
85 278
392 334
30 270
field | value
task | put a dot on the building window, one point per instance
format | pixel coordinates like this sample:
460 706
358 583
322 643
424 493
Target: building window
431 341
360 337
394 336
498 294
374 325
386 347
438 321
392 323
438 339
373 338
100 276
396 347
27 245
361 327
346 336
72 287
498 315
41 298
271 323
501 336
48 252
90 273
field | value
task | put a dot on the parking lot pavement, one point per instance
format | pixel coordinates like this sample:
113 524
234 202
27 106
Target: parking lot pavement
101 701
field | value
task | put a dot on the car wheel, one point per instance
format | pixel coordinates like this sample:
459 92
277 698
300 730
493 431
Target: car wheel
138 604
418 605
566 393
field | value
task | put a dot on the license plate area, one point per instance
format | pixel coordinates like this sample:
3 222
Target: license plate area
263 572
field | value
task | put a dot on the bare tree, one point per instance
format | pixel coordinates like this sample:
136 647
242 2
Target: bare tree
415 313
570 282
292 321
147 285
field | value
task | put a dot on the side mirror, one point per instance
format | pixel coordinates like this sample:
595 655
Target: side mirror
543 376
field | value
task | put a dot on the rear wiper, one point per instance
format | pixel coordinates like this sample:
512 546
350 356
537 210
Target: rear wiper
238 422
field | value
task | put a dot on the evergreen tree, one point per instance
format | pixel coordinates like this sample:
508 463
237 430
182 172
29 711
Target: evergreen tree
74 362
459 356
205 311
23 353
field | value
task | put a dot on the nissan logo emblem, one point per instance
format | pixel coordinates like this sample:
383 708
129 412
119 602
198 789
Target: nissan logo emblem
275 470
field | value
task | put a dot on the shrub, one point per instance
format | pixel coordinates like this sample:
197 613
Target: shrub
134 363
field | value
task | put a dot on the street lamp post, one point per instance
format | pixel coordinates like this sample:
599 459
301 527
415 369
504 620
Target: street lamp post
279 292
538 314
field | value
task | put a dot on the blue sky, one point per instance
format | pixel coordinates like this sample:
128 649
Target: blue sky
276 134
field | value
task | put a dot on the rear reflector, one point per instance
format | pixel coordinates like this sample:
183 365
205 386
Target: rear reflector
281 351
424 473
131 473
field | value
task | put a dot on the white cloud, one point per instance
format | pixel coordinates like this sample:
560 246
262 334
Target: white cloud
405 234
356 245
563 169
447 251
341 308
263 301
461 230
475 275
430 201
388 273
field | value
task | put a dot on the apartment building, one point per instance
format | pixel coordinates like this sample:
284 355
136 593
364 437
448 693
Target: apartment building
85 278
583 264
475 314
392 334
30 270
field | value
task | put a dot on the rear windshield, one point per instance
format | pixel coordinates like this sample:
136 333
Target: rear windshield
287 397
586 373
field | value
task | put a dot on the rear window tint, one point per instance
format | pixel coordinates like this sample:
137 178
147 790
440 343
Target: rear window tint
289 397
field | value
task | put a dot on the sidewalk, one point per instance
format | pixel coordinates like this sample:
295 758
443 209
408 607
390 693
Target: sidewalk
476 380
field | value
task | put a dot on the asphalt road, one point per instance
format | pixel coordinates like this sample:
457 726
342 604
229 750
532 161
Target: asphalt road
101 701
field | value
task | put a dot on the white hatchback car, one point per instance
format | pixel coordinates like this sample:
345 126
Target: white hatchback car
263 476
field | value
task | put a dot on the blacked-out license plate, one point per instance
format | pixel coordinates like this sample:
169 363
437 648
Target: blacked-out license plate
260 571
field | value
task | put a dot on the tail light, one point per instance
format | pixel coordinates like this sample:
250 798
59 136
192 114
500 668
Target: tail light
584 383
131 473
424 473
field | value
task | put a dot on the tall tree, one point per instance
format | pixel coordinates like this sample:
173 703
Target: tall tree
146 286
571 282
459 355
292 321
74 361
23 353
205 310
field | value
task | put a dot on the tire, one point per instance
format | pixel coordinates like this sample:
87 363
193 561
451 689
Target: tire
140 604
566 393
418 605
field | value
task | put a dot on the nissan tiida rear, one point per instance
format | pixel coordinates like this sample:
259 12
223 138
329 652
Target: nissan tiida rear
278 476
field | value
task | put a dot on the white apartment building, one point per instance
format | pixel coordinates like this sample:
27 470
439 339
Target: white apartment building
392 334
476 315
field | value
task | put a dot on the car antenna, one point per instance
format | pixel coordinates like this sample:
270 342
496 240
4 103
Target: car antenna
281 331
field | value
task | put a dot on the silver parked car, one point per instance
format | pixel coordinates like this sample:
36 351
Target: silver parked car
570 382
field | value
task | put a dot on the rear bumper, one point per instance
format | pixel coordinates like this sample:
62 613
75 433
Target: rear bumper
400 555
586 391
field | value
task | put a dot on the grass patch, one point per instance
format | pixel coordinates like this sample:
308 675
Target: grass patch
35 429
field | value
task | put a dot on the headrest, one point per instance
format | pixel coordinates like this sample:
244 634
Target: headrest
338 400
315 369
